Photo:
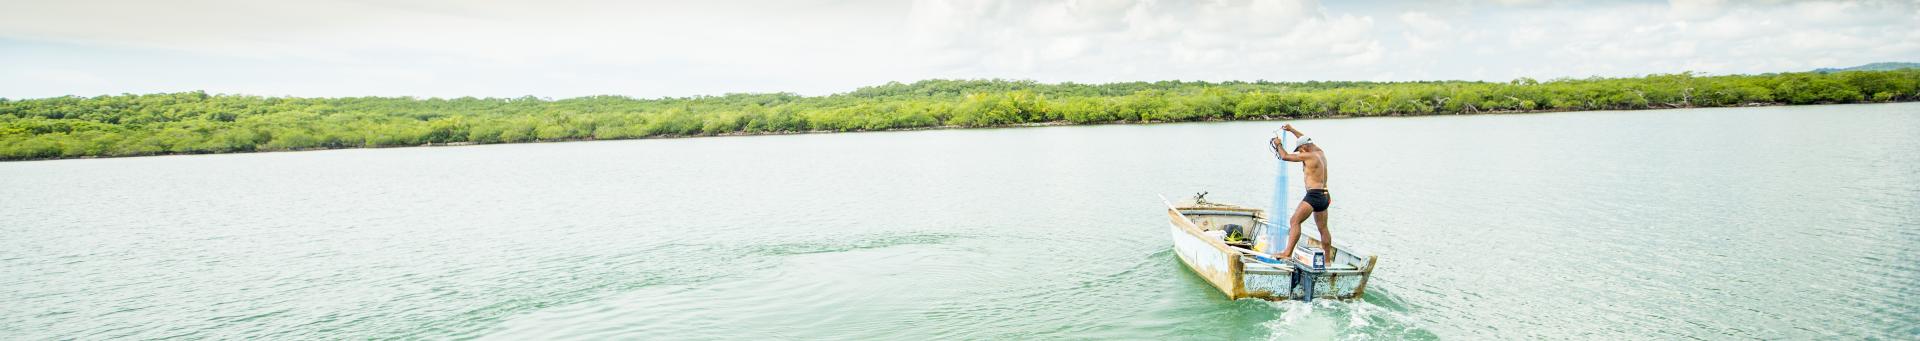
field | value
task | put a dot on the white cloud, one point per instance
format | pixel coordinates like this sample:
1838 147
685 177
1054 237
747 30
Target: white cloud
62 77
654 48
1628 39
1130 40
1424 32
1697 9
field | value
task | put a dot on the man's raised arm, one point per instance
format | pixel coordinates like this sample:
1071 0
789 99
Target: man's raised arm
1281 151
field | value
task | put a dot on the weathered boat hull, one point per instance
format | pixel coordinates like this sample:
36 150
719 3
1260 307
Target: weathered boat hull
1238 273
1211 263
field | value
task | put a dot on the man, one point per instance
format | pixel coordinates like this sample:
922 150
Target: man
1313 161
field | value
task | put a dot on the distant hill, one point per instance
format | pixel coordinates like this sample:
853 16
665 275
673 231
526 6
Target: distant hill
1882 66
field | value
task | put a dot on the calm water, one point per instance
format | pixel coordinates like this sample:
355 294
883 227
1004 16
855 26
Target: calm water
1779 222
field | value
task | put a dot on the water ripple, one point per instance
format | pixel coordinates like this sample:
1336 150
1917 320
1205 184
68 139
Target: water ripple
1556 226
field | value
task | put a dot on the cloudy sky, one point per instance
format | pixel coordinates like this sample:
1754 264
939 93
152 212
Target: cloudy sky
567 48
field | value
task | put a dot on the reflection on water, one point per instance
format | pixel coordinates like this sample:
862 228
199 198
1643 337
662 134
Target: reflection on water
1677 223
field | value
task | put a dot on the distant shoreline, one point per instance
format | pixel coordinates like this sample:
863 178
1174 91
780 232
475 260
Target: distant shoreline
192 123
948 127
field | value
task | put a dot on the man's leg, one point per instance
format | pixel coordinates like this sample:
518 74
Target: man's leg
1293 234
1326 240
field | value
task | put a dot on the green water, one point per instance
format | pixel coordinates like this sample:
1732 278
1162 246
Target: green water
1777 222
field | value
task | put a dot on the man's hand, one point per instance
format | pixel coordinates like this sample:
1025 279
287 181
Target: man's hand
1281 151
1288 127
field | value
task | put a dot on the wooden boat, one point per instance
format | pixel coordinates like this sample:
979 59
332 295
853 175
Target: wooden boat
1199 230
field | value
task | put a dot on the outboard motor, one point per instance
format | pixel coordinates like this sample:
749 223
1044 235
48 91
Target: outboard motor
1302 280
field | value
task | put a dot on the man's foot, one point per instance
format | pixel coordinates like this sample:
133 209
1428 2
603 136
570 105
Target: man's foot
1290 256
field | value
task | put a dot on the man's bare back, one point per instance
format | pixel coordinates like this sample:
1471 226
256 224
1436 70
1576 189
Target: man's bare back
1313 161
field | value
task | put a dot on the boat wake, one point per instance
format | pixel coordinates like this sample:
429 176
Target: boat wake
844 244
1339 320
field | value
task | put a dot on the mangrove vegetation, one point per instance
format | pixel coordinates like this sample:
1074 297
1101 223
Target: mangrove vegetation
196 122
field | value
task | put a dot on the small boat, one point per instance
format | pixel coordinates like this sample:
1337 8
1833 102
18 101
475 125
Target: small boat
1201 239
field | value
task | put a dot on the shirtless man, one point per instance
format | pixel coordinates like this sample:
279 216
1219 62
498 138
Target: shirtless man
1314 163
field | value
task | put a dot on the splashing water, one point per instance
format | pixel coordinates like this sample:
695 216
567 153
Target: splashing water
1341 320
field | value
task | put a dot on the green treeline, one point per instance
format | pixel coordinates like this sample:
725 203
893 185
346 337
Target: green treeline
195 122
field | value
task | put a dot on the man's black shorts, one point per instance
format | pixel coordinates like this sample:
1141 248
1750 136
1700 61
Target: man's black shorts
1317 198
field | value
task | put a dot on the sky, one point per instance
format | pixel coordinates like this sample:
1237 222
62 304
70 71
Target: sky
648 49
